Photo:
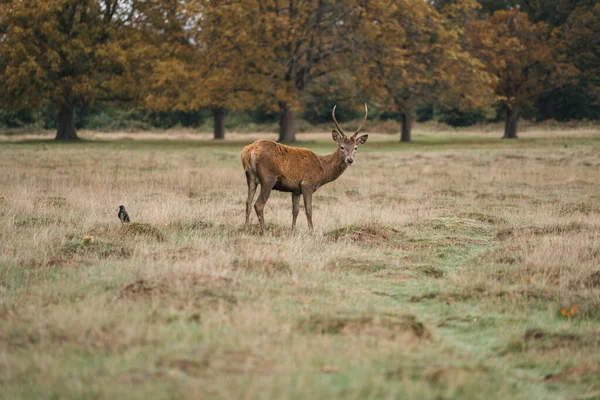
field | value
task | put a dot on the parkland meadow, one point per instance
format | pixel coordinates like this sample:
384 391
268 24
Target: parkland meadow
455 266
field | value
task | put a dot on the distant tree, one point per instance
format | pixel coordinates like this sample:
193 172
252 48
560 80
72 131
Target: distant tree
66 52
280 47
412 55
518 53
562 98
194 67
578 43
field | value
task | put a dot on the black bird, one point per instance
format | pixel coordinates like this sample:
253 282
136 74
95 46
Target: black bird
123 216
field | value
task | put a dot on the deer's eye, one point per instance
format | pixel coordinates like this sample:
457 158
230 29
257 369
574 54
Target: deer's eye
356 148
342 147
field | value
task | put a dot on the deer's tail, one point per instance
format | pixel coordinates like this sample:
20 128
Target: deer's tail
246 153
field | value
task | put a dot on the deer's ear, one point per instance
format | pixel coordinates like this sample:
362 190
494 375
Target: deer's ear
362 139
336 136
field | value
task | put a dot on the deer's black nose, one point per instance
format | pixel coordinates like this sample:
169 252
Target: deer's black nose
350 160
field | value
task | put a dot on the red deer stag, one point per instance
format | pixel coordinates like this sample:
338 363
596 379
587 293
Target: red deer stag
299 171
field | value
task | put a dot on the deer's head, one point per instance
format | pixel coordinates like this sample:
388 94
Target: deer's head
348 144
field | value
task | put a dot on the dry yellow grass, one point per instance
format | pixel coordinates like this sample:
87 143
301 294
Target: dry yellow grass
437 269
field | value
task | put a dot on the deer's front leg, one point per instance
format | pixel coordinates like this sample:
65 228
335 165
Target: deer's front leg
295 209
307 194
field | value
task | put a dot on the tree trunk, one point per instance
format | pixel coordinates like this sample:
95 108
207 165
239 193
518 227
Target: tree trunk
219 122
510 123
287 127
66 123
407 121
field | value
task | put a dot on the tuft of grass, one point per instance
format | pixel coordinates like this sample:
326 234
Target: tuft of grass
501 196
142 229
549 229
267 266
483 217
355 265
53 201
33 221
384 326
463 226
431 271
536 339
586 208
368 235
101 249
182 291
353 192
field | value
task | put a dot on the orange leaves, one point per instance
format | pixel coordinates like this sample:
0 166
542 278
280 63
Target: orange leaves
62 54
270 51
204 65
570 313
515 51
421 57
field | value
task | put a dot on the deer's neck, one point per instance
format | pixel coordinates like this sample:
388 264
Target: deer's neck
333 166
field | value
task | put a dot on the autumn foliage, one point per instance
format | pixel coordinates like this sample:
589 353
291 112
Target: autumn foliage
409 59
70 53
274 50
279 55
518 54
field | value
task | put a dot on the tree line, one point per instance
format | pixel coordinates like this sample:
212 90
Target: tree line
285 57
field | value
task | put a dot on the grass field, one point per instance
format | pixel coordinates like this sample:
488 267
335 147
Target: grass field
437 269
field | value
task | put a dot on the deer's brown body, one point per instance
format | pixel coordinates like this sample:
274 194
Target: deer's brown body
295 169
300 171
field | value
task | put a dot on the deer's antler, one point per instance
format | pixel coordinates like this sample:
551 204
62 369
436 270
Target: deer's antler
339 128
363 121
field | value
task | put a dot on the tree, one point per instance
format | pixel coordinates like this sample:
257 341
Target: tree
518 54
411 55
194 67
280 47
578 43
70 53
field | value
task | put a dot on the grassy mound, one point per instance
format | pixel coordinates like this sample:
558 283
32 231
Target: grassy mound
386 326
182 290
367 235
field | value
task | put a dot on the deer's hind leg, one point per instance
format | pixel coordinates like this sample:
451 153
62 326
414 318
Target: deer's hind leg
252 181
307 194
266 185
295 209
